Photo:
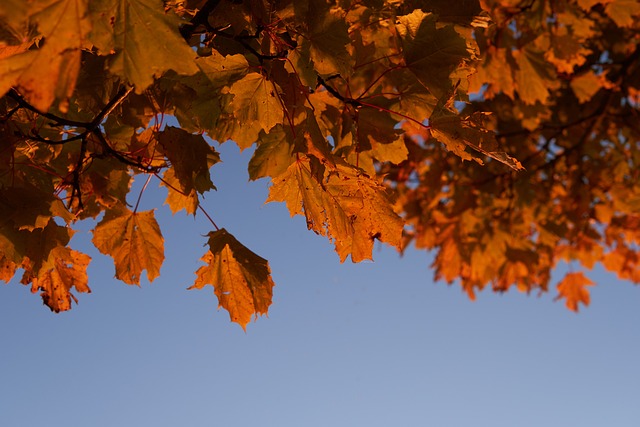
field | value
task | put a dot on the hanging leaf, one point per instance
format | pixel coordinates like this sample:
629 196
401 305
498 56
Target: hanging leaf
240 278
127 30
50 71
133 240
64 270
191 158
256 105
573 288
350 208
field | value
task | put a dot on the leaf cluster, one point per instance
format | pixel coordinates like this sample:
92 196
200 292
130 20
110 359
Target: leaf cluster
500 134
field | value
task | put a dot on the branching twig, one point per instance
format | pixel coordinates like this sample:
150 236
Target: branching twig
200 18
75 184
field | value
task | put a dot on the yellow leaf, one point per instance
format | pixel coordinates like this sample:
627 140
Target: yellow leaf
133 240
573 289
240 278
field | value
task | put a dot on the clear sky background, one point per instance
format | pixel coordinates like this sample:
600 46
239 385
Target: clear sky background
374 344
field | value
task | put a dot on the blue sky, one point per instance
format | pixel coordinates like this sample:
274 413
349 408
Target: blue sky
372 344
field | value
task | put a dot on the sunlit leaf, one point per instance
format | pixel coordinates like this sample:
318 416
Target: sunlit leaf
129 29
50 71
133 240
240 278
64 270
573 288
351 209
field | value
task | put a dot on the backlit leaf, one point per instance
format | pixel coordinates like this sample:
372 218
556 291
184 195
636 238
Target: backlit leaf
534 77
573 288
431 53
191 158
133 240
256 103
349 208
142 39
240 278
64 270
623 12
50 71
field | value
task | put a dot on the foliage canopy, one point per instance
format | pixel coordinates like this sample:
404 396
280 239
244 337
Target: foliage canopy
501 134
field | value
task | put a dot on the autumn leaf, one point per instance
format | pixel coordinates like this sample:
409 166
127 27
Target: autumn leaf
7 268
431 53
50 71
64 270
585 86
240 278
328 37
256 102
573 288
623 12
191 158
127 30
178 198
273 155
457 133
534 77
133 240
349 208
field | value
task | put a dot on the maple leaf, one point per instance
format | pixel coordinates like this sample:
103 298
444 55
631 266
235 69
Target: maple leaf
350 208
50 71
431 53
328 37
573 288
585 86
240 278
534 77
623 12
142 39
273 155
64 269
456 134
133 240
178 198
256 107
492 72
191 158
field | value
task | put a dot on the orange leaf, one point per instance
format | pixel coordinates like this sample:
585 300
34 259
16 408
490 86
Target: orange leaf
240 278
573 288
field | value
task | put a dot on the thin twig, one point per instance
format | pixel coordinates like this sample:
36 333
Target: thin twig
144 187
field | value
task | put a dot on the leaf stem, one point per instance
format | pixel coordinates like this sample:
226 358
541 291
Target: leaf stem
144 187
208 217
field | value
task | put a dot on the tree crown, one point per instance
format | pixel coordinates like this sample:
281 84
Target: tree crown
501 134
